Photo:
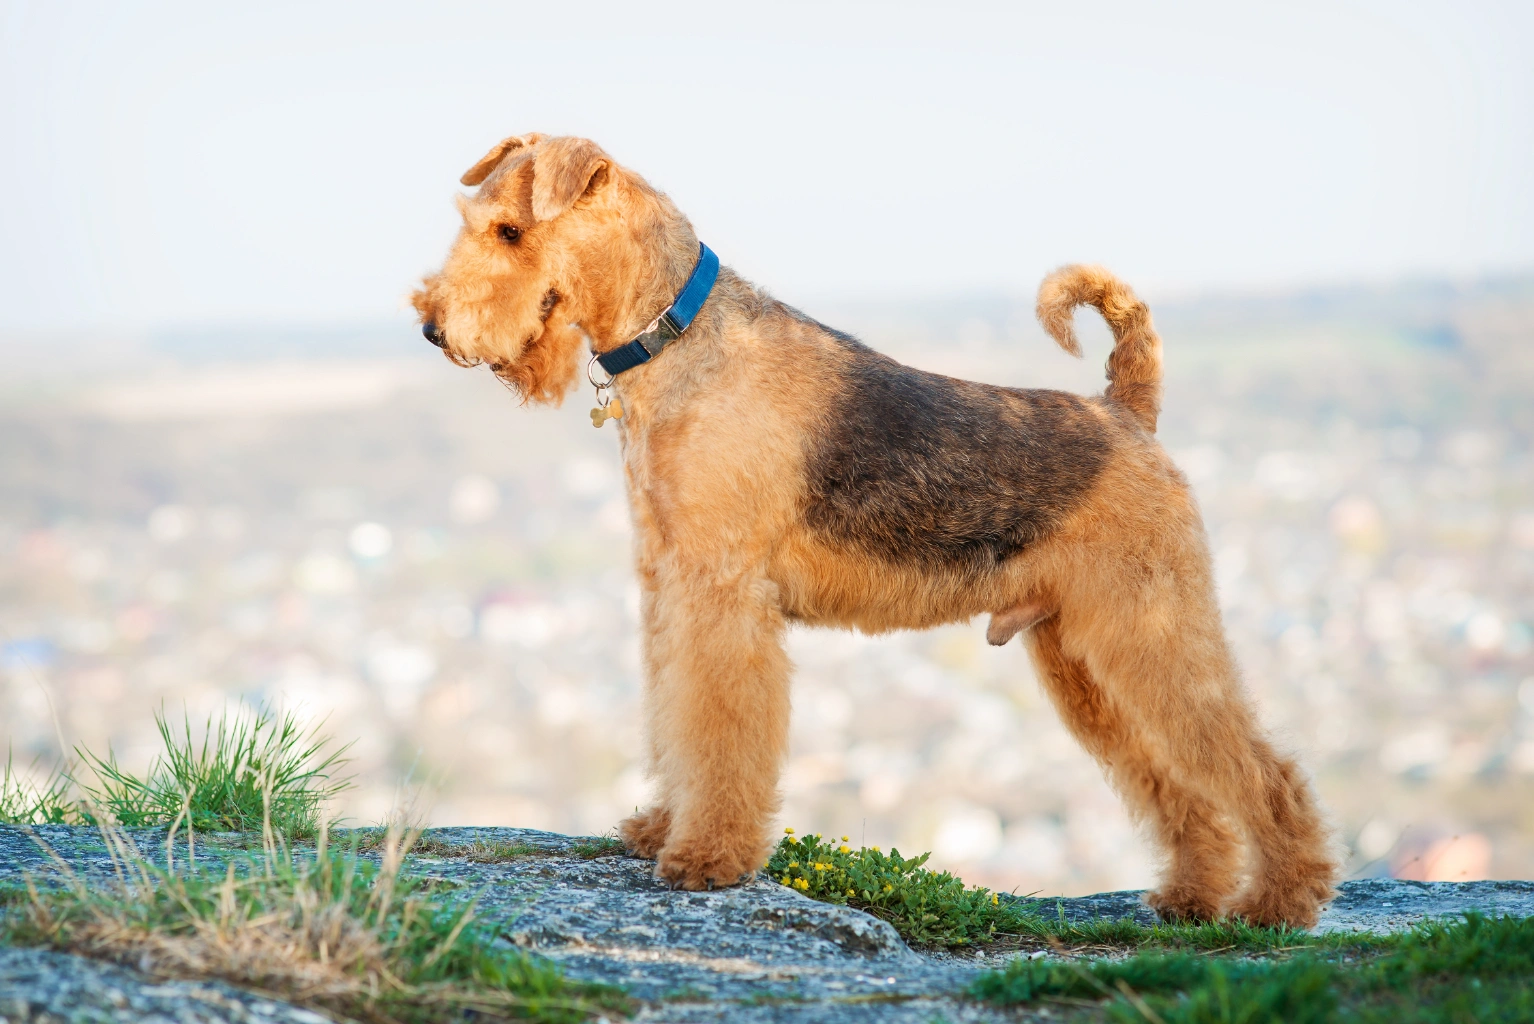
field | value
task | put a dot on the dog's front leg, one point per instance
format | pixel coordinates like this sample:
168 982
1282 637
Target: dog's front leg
717 703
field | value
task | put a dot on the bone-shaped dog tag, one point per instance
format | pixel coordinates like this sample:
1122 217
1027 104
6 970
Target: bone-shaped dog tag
613 410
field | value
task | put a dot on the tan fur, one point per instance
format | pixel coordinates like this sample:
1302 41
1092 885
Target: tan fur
1134 366
1116 602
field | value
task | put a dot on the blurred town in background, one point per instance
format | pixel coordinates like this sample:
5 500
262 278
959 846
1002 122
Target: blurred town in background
342 523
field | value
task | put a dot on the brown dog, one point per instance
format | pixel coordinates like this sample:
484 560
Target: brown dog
780 471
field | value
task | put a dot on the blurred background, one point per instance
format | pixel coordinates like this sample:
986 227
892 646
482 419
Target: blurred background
230 469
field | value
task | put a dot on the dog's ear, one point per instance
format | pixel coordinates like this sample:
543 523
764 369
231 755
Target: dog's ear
487 163
563 171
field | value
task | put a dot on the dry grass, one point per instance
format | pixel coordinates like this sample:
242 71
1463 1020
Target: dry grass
337 933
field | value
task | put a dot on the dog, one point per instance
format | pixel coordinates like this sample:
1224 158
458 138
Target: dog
779 471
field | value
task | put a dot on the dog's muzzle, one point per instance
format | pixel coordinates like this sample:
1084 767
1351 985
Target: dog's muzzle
433 335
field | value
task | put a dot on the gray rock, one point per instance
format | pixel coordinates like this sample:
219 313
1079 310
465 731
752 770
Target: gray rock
1388 904
39 986
757 952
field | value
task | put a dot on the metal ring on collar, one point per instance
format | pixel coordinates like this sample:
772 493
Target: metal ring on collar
605 384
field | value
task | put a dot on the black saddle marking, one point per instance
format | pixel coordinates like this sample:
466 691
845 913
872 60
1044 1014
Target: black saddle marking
914 467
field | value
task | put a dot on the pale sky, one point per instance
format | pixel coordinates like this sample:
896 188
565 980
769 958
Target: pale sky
170 165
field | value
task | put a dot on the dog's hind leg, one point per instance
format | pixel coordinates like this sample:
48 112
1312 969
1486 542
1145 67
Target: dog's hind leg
1203 852
1184 693
718 717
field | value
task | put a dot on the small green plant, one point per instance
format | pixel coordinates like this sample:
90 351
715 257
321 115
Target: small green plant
598 847
928 908
253 769
331 930
23 802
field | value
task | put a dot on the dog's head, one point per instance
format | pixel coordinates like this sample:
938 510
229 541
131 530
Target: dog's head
558 242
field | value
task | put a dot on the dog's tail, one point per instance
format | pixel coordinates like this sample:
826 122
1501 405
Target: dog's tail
1134 366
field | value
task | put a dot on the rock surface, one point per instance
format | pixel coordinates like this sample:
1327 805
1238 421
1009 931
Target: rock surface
758 952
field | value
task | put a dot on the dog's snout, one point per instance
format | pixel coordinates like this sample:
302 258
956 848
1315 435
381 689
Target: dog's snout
432 334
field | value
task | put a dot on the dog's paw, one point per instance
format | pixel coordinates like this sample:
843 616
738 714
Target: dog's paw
1296 906
699 866
645 833
1184 903
1293 897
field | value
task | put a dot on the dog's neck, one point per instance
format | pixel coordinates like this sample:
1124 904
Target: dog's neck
670 324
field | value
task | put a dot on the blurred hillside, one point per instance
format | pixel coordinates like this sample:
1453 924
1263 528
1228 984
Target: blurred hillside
342 519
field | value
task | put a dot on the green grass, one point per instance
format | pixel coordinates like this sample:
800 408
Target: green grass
1212 937
23 802
330 930
1476 969
598 847
928 908
1297 990
253 769
250 770
935 909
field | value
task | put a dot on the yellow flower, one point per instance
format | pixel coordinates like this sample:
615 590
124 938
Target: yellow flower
845 839
793 863
995 900
784 879
851 892
888 887
821 867
875 849
788 831
800 883
842 849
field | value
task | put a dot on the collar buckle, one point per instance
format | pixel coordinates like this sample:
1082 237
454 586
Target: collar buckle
666 327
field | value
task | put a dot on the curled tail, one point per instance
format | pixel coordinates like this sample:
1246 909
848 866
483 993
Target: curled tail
1134 366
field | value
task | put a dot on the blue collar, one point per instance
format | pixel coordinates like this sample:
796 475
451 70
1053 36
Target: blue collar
669 325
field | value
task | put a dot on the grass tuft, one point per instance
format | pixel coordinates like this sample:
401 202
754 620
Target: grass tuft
23 802
254 769
598 847
333 931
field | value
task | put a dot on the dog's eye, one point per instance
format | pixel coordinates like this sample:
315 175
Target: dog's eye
510 233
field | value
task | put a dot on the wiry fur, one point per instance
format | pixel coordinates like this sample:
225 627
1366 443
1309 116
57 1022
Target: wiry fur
780 471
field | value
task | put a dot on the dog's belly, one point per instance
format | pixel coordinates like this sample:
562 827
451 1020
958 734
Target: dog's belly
924 471
824 585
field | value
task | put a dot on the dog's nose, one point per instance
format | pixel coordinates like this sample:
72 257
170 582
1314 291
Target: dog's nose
432 334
